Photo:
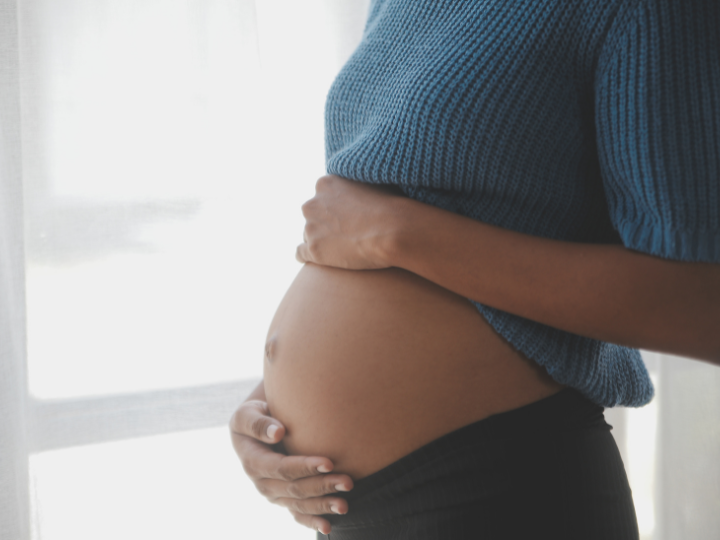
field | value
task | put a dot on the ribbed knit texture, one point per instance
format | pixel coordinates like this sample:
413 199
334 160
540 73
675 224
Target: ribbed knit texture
585 121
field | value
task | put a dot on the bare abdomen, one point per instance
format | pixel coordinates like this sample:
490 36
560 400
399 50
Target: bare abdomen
366 366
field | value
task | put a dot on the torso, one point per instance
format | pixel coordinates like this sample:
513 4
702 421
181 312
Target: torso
502 112
364 367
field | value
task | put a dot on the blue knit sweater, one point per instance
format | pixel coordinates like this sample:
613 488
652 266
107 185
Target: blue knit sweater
586 121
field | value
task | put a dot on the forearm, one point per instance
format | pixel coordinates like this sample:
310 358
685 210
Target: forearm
604 292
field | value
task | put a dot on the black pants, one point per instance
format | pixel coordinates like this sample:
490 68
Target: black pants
547 470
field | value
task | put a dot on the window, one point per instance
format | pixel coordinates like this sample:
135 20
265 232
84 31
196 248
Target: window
153 158
166 148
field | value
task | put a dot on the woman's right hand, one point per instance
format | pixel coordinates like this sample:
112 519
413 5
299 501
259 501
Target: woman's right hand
299 483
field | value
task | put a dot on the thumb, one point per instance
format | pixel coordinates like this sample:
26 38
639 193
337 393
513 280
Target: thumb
252 419
302 253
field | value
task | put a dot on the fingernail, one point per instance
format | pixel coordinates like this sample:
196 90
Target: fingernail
334 508
271 430
341 487
323 468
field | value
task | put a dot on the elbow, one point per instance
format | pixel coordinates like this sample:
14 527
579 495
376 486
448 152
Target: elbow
707 352
688 341
715 356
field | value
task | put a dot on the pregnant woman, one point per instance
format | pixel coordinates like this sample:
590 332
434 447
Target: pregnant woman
519 194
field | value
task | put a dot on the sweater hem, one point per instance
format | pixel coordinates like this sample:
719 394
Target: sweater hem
609 375
677 244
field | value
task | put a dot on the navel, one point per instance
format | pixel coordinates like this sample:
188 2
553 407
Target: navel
271 348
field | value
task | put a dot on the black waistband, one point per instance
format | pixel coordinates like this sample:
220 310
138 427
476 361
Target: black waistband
550 469
565 411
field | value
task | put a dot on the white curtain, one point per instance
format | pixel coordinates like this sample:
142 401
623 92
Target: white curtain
153 158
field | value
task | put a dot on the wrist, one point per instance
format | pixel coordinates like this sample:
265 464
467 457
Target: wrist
397 234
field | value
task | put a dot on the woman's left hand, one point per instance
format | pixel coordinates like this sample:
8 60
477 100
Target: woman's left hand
349 225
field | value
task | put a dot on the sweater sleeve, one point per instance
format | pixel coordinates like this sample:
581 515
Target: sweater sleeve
657 116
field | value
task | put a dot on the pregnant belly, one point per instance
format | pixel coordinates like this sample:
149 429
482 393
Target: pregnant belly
364 367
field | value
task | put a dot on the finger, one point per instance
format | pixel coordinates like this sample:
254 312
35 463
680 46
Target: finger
302 253
290 468
316 506
305 488
252 419
314 522
260 461
324 182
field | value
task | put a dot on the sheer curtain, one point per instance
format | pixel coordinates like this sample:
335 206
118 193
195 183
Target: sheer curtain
153 158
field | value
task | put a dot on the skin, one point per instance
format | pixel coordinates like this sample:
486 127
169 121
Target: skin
414 360
606 292
299 483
